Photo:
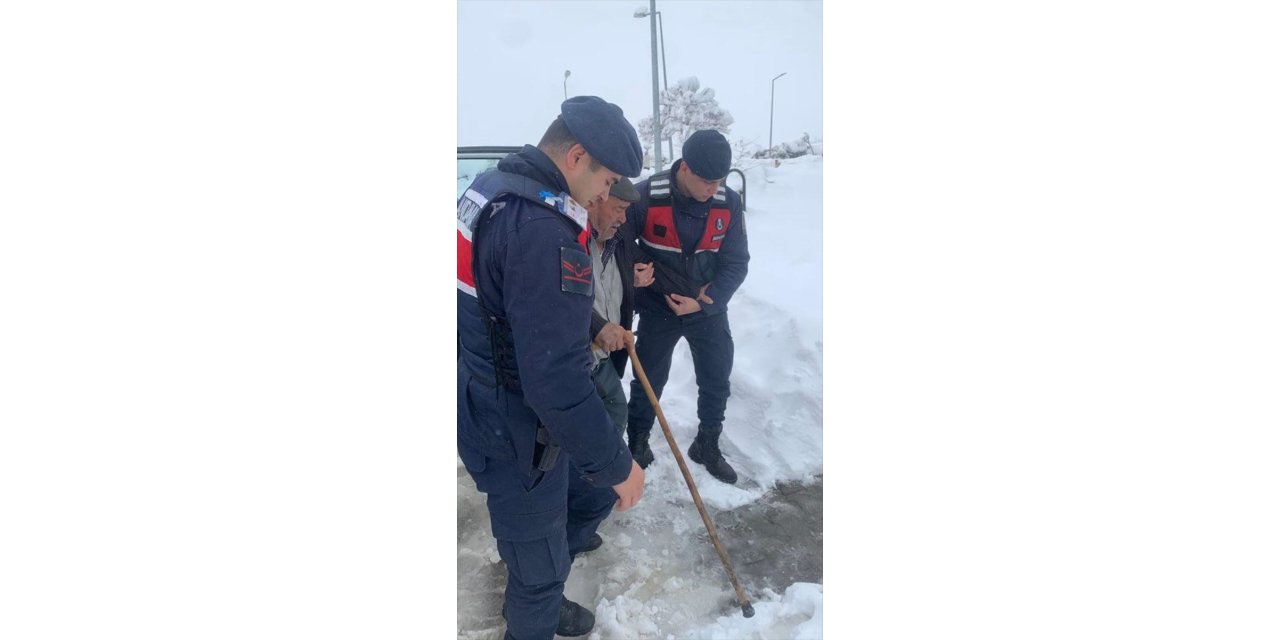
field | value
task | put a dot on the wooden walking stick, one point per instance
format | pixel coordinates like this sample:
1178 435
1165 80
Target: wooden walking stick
747 609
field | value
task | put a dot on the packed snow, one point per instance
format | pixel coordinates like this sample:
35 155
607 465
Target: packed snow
657 575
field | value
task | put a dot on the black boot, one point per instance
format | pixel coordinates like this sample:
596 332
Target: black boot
575 620
706 452
639 445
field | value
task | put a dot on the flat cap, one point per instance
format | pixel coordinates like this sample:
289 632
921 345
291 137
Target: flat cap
605 133
708 154
624 190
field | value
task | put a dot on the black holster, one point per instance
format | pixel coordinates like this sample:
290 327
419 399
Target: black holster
545 450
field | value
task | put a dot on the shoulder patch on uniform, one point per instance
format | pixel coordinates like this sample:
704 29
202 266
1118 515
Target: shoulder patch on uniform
575 271
469 206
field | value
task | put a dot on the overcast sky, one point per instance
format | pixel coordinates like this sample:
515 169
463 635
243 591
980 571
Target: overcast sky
512 57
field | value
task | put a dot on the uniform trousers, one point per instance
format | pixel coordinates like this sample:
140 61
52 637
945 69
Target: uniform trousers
711 345
540 519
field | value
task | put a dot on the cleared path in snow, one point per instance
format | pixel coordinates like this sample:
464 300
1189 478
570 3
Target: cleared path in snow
657 573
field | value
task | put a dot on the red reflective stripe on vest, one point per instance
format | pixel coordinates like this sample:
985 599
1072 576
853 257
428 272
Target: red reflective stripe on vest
713 235
465 275
661 216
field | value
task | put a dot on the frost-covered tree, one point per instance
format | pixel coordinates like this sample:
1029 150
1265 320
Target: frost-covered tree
794 149
742 150
688 107
685 108
644 129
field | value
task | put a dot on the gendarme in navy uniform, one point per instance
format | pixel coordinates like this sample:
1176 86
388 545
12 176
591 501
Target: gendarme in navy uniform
532 431
691 225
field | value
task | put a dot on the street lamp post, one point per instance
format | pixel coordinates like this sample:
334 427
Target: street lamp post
566 84
771 85
657 118
662 37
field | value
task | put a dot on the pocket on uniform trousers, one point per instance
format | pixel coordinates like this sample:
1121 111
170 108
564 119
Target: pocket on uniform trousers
523 527
536 562
531 481
533 545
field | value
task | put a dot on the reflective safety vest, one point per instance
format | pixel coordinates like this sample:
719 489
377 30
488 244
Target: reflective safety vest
661 240
484 336
486 188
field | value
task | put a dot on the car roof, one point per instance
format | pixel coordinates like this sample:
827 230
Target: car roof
486 151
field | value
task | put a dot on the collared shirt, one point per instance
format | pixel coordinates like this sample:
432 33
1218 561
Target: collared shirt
609 245
608 287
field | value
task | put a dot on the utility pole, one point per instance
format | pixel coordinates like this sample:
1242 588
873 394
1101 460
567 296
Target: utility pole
641 13
663 37
657 118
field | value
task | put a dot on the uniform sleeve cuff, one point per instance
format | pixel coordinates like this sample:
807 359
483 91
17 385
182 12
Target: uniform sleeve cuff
597 324
713 307
613 473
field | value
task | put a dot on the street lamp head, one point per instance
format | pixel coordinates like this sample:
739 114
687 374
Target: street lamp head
641 13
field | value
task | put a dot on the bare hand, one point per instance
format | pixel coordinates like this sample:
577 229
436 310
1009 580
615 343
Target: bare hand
631 489
611 338
682 305
702 294
643 274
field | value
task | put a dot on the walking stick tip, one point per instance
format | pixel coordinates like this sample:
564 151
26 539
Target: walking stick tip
748 611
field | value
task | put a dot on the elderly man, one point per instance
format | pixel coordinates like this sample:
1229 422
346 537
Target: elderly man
617 274
612 310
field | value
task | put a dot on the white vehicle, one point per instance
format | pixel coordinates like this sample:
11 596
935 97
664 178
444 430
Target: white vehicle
473 161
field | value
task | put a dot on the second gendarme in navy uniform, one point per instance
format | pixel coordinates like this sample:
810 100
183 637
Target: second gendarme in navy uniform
532 431
691 226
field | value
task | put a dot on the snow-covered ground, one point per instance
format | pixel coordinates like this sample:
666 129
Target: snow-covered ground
657 575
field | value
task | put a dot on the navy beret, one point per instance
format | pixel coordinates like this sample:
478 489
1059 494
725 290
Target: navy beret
605 133
708 154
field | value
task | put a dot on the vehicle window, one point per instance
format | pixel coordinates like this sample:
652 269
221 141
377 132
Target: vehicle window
469 168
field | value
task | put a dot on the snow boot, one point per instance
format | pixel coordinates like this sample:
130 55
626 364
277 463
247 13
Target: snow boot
639 445
706 452
575 620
